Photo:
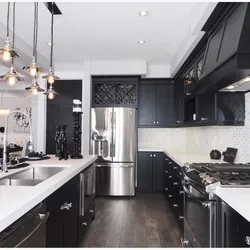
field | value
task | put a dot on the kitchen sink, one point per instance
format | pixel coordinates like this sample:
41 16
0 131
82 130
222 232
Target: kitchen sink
37 173
19 182
30 177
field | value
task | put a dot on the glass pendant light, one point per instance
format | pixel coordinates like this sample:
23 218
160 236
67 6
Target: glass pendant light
3 111
35 88
51 77
7 52
33 68
51 92
12 77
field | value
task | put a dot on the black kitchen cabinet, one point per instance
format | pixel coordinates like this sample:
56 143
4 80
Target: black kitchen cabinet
179 102
147 100
150 173
62 225
206 107
156 103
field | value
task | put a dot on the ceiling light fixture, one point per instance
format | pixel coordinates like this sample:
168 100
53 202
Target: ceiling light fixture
35 88
3 111
143 13
51 92
141 42
6 51
33 68
12 77
230 87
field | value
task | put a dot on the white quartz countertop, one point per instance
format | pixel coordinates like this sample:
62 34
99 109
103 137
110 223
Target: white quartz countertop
15 201
237 198
181 157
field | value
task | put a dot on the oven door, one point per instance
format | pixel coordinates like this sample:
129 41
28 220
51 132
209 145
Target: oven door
199 217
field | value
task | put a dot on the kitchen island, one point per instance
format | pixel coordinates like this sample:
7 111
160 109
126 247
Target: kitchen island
15 201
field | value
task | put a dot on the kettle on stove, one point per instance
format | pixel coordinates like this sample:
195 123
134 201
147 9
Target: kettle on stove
215 154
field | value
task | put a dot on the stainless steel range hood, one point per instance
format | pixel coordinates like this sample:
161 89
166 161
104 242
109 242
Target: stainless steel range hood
227 57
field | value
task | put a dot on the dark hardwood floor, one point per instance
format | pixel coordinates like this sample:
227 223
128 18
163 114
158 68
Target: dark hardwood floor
141 221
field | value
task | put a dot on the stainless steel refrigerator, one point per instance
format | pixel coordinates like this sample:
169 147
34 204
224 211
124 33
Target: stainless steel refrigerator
113 140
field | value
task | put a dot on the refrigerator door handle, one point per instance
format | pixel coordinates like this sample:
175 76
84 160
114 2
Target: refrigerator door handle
114 133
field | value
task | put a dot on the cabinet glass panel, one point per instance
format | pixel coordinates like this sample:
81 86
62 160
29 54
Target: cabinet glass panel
199 67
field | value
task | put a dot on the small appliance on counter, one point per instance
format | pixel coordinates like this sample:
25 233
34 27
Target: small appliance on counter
215 154
230 154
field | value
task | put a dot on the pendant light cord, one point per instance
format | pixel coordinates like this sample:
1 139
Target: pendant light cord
52 37
35 31
13 29
8 20
1 98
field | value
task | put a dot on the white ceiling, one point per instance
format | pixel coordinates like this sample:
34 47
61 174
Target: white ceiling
106 31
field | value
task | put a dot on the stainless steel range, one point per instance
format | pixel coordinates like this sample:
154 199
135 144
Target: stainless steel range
200 206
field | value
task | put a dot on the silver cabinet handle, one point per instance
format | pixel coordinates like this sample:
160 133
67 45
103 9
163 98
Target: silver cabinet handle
181 192
66 206
166 172
91 211
204 118
166 189
178 121
170 177
175 205
175 168
181 217
175 183
150 155
154 122
154 155
170 162
85 224
166 159
157 122
170 195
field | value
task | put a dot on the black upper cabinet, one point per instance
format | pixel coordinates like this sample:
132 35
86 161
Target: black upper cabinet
179 102
156 103
206 107
147 100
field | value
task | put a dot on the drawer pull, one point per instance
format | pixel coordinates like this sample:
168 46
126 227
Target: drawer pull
170 177
175 183
91 211
181 217
204 118
181 192
166 189
170 196
175 205
166 172
175 168
170 162
85 224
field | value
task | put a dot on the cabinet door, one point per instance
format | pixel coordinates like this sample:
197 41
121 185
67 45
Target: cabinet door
144 172
206 107
179 102
147 101
70 217
158 172
165 105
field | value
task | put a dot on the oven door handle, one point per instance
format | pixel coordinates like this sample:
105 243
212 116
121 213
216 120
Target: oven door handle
204 204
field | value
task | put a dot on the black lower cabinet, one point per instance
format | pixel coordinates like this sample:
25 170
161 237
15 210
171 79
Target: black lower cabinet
150 173
233 229
62 225
67 225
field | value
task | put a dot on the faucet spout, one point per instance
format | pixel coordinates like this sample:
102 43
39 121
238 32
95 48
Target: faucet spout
4 166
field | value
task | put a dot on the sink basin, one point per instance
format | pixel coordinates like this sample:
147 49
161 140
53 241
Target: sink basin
37 173
19 182
30 177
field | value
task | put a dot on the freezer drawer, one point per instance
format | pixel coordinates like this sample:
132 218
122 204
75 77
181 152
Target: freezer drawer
115 179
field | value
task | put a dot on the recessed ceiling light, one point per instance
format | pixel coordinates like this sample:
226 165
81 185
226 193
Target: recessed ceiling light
143 13
141 42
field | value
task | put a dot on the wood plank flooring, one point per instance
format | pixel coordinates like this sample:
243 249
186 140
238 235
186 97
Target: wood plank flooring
141 221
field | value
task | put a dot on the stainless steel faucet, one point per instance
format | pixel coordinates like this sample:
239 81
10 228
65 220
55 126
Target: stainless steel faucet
4 166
